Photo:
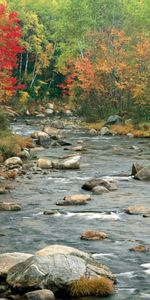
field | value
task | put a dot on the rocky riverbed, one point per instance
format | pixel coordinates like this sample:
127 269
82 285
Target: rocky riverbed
117 210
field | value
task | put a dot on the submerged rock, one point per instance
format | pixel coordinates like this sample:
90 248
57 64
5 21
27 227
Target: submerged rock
98 190
139 248
137 210
9 206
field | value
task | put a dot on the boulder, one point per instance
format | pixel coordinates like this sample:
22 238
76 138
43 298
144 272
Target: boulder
44 163
13 162
98 190
8 260
104 131
55 272
93 235
93 131
39 295
114 120
139 248
72 162
143 174
137 210
9 206
136 167
52 249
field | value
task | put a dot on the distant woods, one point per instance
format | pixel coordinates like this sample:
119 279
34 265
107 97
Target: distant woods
93 55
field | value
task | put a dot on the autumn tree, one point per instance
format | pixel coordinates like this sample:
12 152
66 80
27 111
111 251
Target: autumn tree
9 49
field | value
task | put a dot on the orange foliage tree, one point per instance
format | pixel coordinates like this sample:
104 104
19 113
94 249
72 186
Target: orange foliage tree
113 75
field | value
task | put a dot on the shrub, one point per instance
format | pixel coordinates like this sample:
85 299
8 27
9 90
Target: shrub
92 287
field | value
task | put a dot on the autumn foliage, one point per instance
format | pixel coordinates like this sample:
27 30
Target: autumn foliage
9 49
113 74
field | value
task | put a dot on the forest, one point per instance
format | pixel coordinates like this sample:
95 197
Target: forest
92 56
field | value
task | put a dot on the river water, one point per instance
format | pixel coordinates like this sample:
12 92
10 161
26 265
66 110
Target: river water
30 230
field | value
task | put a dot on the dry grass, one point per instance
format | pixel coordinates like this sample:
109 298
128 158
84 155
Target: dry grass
11 145
125 129
97 126
92 287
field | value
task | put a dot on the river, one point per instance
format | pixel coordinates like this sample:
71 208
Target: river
30 230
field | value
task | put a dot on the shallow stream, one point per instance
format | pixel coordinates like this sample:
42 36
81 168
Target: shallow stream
30 230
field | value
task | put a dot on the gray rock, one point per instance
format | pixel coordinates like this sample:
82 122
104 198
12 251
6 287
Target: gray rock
9 206
61 249
72 162
115 119
39 295
108 184
143 174
136 167
8 260
43 139
54 272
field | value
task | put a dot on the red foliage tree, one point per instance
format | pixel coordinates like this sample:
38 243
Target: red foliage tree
10 35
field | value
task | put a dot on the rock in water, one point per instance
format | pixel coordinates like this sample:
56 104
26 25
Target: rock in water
55 272
143 174
68 163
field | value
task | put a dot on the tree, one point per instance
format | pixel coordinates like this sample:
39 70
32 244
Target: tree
10 36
